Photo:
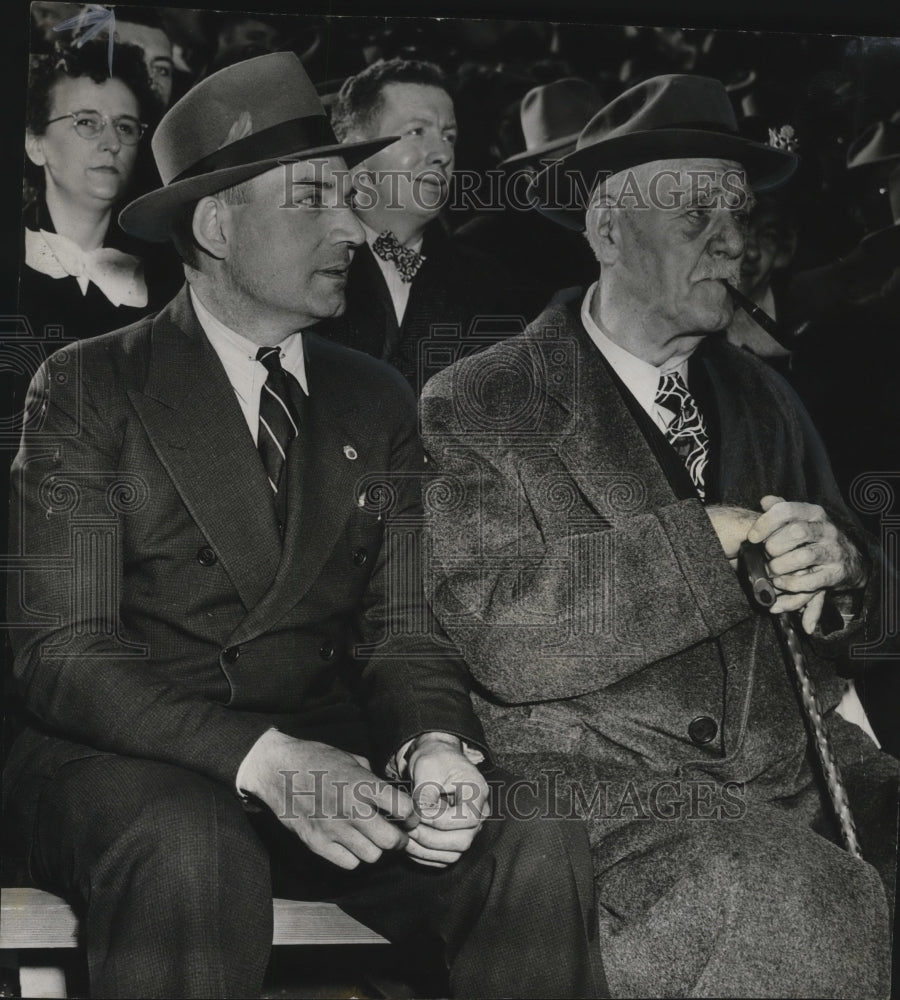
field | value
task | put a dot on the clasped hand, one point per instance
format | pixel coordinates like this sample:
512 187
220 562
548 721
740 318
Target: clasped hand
346 814
808 555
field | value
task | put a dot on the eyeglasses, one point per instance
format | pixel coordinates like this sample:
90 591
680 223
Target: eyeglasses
91 124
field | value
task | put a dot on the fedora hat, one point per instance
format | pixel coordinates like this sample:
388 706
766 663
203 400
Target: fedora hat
235 124
879 143
885 243
667 117
552 117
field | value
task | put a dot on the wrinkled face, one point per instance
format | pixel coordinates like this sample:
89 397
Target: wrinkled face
157 54
90 172
412 175
291 244
681 232
769 246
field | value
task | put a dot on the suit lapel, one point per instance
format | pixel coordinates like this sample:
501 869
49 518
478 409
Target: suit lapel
197 429
324 464
606 446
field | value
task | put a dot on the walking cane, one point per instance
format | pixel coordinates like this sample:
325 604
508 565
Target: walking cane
753 558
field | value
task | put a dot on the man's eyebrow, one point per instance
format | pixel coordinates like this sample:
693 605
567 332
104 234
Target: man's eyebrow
709 194
422 119
163 59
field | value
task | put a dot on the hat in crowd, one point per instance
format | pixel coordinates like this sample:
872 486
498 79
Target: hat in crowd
878 143
885 243
879 146
552 117
237 123
667 117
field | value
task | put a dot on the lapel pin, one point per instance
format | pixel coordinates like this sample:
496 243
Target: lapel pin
362 500
350 452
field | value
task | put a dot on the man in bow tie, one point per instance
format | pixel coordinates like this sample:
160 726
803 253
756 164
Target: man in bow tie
411 276
596 479
229 680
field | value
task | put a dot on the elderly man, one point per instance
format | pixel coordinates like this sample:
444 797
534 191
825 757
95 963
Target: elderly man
411 275
597 477
218 624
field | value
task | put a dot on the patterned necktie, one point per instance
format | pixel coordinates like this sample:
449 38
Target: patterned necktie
687 432
278 423
407 261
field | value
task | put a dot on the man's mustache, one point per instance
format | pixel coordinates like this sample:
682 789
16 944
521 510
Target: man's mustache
730 272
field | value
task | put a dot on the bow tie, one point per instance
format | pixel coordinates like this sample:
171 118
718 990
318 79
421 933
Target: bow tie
407 261
119 275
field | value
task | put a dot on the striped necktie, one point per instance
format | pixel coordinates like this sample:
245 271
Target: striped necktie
278 424
687 432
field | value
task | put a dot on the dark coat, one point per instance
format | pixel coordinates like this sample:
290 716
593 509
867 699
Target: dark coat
541 255
460 299
612 643
60 304
158 615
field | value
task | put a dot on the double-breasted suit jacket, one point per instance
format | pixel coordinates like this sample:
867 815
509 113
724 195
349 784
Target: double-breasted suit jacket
614 648
157 613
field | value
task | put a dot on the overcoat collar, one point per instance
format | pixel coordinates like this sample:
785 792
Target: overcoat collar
588 404
585 409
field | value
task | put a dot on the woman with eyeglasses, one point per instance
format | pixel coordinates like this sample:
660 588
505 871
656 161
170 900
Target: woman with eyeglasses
82 275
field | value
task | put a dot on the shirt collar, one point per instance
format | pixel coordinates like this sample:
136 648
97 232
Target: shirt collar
640 377
239 354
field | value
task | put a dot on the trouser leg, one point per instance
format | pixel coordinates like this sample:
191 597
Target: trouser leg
515 914
171 881
756 906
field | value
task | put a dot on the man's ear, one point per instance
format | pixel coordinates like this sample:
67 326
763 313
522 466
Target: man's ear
211 226
606 238
34 147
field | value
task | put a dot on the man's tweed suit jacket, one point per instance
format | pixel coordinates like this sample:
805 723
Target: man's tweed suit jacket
157 614
614 649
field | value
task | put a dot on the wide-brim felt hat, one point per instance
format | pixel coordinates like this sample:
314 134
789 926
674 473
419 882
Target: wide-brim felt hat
236 123
552 117
879 143
678 116
884 244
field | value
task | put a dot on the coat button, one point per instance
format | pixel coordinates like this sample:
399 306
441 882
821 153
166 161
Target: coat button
231 654
702 730
206 556
326 651
359 557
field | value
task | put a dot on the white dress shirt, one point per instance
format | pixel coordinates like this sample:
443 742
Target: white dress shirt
398 288
238 357
640 377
